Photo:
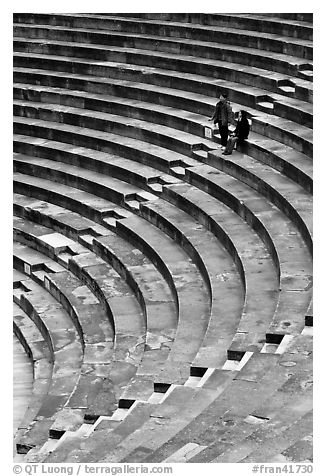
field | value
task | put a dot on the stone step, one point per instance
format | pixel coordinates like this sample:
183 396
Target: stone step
302 17
177 141
295 202
187 281
60 285
290 403
279 156
249 21
149 341
62 338
246 89
227 421
289 436
66 222
198 404
81 137
194 124
294 165
282 129
104 162
88 180
295 295
29 261
53 245
173 413
126 312
66 288
144 420
257 22
162 401
85 312
42 359
191 52
255 267
262 41
91 206
155 299
218 271
280 83
301 450
22 385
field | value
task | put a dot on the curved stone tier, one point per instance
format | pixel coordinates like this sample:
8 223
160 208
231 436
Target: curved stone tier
162 289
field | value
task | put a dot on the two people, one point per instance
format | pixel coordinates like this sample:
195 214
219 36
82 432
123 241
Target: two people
223 116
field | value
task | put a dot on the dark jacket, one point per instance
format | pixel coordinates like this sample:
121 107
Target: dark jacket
223 113
242 129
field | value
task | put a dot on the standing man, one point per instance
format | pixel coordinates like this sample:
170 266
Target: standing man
223 116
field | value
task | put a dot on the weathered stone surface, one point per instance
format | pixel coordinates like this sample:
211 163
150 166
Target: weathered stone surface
110 115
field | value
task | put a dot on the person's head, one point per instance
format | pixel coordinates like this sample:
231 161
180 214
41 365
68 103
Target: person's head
223 96
242 115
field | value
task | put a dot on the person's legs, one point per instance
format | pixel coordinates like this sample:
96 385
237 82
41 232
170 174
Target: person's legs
224 132
230 145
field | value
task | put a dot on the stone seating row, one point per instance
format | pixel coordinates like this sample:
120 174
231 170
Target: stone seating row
248 21
277 128
233 36
40 355
246 88
63 340
193 170
207 212
133 431
287 295
93 321
214 418
193 123
97 370
88 205
41 209
288 86
142 448
293 164
267 387
178 141
290 198
297 28
193 314
61 220
155 307
307 17
287 196
84 255
248 267
165 115
68 121
203 356
135 149
280 79
22 386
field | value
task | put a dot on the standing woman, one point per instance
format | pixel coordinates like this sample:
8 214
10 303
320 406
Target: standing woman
240 133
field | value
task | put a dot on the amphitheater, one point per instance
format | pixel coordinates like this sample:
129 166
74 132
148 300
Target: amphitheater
162 291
